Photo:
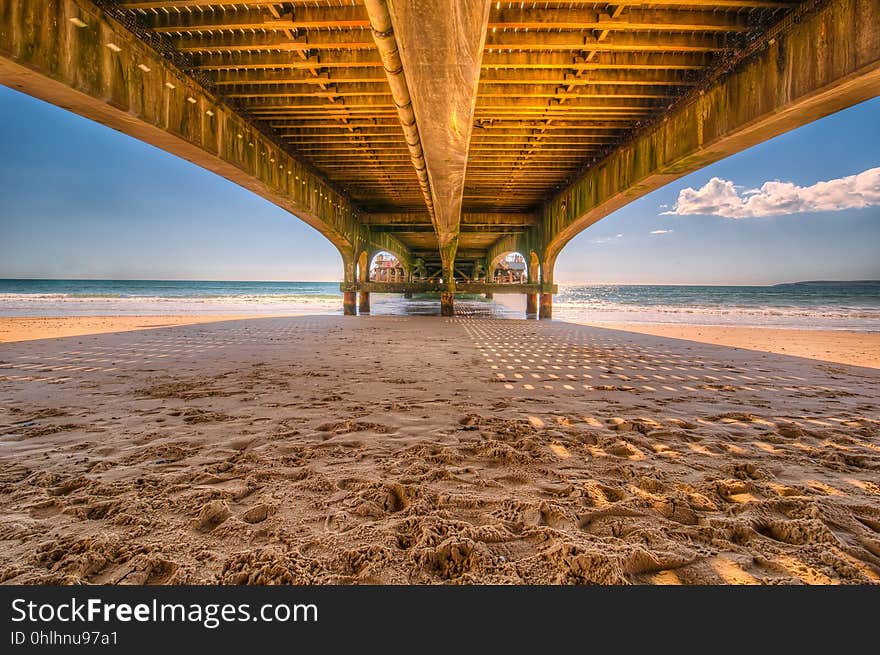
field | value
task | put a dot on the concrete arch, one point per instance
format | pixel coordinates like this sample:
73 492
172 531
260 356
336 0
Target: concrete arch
135 90
138 92
796 76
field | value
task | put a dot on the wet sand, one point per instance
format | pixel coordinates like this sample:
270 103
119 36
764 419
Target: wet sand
333 449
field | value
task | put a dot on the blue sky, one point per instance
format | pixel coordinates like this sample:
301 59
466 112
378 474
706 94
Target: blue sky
80 200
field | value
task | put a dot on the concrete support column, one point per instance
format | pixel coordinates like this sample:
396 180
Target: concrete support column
546 305
447 258
447 304
531 304
547 269
349 277
364 302
349 308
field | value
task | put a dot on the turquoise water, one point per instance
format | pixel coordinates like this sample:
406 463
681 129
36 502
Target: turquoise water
845 305
854 306
166 289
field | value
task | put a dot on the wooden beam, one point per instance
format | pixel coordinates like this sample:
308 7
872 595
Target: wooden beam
304 18
250 61
540 17
626 61
192 4
269 41
507 18
620 42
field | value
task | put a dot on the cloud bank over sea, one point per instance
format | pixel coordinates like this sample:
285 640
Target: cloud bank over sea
719 197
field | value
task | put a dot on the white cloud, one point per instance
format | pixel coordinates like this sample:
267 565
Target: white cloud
661 231
722 198
603 240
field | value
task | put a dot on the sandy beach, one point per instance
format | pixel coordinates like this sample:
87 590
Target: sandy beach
840 346
26 328
332 449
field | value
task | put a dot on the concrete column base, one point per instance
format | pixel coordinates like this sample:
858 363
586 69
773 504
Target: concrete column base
447 304
531 304
349 306
546 305
364 302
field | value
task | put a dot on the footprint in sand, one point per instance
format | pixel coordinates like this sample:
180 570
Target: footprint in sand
257 513
211 515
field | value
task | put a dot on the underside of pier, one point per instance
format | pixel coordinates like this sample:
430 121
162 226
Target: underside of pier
447 133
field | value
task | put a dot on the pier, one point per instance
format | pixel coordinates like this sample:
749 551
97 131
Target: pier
449 134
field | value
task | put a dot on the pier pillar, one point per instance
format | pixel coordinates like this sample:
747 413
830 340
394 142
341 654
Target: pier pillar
348 303
447 257
447 304
531 304
407 295
490 295
364 302
546 305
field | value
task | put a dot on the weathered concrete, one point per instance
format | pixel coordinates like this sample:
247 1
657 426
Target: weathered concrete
383 34
44 55
546 306
805 70
440 287
349 306
431 52
441 47
364 302
531 304
447 304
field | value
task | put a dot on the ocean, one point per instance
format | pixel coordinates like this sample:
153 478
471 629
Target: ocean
822 305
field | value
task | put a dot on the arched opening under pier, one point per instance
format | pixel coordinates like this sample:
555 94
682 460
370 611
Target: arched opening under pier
510 268
386 267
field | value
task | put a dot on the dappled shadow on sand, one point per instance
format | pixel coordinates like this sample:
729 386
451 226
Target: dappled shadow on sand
427 450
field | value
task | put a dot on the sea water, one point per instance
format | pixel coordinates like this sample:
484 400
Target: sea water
820 305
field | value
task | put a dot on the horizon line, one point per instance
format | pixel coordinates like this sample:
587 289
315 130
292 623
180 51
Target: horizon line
560 283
